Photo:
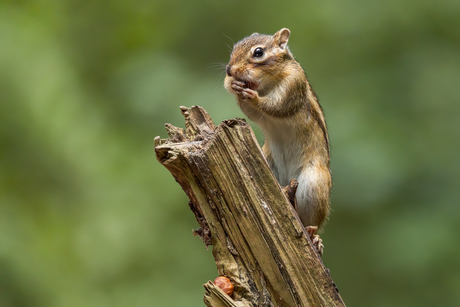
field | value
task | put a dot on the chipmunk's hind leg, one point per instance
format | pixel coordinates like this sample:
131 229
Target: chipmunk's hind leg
290 191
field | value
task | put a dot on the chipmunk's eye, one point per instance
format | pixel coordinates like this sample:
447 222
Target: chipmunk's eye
258 52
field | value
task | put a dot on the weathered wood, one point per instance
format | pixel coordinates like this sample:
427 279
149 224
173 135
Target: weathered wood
258 240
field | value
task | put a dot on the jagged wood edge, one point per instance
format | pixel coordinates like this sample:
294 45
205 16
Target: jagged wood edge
258 281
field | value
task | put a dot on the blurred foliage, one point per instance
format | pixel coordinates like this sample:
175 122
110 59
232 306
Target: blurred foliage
89 218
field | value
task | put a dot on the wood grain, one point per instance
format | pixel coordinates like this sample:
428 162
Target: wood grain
257 238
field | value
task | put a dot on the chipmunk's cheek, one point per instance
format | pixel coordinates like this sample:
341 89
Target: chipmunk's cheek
228 84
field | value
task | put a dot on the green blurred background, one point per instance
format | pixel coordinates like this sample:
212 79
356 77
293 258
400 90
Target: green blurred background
88 217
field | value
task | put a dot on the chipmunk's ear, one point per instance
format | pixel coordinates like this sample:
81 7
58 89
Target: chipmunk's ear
281 37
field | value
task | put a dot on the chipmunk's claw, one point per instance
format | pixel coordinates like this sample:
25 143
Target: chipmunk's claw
238 87
242 90
315 239
290 191
249 94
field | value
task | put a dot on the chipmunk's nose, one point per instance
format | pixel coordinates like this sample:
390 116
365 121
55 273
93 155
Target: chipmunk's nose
229 68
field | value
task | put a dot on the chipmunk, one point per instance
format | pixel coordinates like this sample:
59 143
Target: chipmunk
273 91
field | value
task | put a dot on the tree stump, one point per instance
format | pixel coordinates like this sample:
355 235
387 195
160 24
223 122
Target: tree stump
257 239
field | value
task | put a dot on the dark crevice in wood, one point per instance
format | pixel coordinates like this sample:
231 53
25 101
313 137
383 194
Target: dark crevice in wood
258 240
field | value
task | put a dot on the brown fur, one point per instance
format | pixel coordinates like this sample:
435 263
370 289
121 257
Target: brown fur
273 91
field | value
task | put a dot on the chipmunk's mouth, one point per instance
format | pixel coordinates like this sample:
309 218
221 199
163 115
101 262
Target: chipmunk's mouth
250 84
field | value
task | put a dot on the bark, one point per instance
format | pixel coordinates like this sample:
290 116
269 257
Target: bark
257 239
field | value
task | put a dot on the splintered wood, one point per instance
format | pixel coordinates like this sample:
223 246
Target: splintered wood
258 242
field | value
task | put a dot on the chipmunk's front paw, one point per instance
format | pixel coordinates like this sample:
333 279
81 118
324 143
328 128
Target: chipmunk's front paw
249 94
315 239
242 91
237 86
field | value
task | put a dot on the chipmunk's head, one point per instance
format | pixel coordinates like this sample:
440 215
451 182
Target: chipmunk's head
258 61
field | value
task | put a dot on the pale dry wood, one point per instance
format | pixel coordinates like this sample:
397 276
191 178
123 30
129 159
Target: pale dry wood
258 240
